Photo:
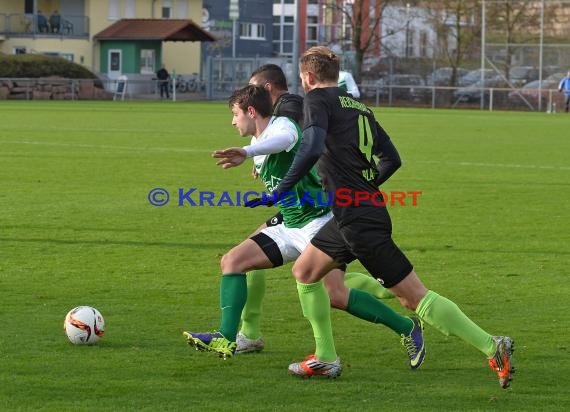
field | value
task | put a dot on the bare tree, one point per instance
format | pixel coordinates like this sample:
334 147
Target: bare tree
364 19
513 24
457 24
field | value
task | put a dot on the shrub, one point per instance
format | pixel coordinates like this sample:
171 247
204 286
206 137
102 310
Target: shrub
34 66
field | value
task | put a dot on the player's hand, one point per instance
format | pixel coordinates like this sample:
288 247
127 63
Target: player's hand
254 172
260 201
231 157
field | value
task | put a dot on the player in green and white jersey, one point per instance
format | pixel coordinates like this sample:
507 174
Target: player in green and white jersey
273 148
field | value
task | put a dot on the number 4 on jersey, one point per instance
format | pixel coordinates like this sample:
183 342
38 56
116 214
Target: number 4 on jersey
365 145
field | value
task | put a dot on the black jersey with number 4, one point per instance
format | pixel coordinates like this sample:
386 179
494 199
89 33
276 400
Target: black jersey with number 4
346 166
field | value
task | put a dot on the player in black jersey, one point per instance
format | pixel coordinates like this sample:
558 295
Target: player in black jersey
343 136
272 78
249 338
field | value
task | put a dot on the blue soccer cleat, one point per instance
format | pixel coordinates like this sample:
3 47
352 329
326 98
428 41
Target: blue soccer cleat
414 344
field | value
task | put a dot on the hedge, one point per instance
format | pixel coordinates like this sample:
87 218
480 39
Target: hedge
34 66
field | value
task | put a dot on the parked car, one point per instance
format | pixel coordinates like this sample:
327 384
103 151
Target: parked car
404 87
442 76
556 76
530 92
472 93
368 87
474 76
521 75
547 71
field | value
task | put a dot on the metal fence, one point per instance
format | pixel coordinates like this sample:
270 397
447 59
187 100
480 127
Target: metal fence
188 88
525 99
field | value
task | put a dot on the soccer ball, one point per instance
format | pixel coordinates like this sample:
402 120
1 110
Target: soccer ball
84 325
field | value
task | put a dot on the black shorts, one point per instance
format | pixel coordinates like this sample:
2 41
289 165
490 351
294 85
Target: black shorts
367 238
275 220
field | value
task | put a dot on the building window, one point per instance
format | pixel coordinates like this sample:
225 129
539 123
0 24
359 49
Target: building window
66 56
181 10
29 7
130 9
283 26
252 31
312 31
166 9
113 12
147 61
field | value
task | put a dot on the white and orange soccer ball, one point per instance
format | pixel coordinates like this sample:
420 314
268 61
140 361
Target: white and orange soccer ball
84 325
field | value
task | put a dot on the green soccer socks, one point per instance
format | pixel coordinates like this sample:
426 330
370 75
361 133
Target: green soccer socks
233 295
251 315
445 316
365 306
316 308
355 280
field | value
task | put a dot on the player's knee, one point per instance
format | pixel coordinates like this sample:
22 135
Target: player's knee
230 263
300 276
224 262
302 273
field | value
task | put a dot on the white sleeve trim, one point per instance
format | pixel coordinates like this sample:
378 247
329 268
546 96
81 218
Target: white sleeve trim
277 143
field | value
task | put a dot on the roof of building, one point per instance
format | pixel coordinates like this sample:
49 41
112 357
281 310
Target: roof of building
154 29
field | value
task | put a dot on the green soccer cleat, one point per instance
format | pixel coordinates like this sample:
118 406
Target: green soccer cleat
211 342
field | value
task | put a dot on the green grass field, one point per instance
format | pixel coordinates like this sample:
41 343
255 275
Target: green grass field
491 231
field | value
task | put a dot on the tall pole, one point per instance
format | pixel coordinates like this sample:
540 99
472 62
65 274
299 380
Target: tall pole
234 16
407 51
540 56
483 29
234 34
296 23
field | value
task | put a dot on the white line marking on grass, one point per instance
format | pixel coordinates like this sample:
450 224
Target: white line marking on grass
169 149
94 146
504 165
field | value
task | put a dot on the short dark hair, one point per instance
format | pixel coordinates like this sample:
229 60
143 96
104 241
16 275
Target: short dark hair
271 73
255 96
